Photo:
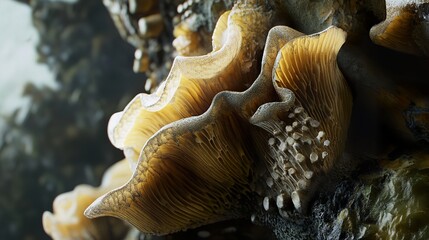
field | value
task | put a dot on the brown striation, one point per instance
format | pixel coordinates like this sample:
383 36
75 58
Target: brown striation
308 67
196 170
193 81
304 133
206 168
405 28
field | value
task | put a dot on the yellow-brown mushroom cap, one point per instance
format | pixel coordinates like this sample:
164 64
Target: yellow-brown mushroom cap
194 81
197 170
308 67
305 131
67 220
190 173
405 28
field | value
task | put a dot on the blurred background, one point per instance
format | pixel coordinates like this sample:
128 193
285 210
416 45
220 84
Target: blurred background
64 70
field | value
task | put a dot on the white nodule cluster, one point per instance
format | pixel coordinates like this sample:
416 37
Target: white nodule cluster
297 150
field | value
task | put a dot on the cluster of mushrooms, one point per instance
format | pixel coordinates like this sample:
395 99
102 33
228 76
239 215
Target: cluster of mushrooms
266 122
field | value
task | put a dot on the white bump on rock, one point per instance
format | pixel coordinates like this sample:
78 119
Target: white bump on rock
296 200
266 203
295 124
302 184
324 154
282 146
314 123
296 136
298 110
269 182
299 157
180 8
326 143
290 141
295 145
271 141
313 157
320 135
308 174
280 201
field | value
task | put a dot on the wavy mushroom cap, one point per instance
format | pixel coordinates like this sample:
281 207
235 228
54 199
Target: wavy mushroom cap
246 103
194 81
189 174
308 67
197 170
405 28
68 221
308 127
201 169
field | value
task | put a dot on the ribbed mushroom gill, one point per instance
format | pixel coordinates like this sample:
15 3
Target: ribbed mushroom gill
194 81
304 133
199 170
405 27
189 172
395 32
187 176
308 67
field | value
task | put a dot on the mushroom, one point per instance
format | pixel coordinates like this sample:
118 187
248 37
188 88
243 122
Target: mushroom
141 61
305 132
312 74
192 172
67 220
190 42
197 170
151 26
405 28
194 81
200 169
128 24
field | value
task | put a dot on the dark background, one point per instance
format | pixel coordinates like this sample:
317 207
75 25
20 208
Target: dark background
62 141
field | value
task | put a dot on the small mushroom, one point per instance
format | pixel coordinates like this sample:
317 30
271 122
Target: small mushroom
141 61
406 27
67 220
128 24
151 26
